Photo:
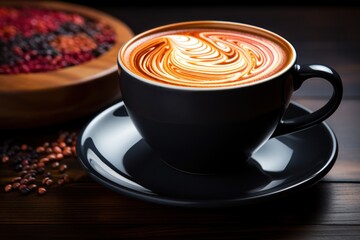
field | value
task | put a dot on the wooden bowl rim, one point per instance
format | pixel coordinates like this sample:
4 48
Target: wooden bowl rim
24 82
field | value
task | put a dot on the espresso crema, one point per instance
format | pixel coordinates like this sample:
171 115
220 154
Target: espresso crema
206 58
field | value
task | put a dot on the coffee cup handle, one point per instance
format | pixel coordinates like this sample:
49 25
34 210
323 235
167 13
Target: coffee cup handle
304 72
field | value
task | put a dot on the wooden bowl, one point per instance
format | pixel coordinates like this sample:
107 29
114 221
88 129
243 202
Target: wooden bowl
40 99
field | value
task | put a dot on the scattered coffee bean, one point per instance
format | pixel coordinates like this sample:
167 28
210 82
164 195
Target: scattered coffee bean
40 170
23 147
60 181
41 190
34 166
62 144
40 149
5 159
32 186
67 151
55 164
62 168
49 182
66 178
8 188
49 150
16 179
16 185
24 190
57 149
24 181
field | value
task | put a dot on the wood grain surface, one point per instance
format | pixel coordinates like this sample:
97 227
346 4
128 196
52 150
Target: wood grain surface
84 209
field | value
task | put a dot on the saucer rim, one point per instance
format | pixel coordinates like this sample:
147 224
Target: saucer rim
155 198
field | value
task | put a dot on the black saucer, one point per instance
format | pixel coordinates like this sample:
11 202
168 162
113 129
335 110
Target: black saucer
114 154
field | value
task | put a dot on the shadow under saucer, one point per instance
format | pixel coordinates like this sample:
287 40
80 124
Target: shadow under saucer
115 155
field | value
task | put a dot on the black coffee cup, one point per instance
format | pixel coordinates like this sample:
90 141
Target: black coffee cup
217 129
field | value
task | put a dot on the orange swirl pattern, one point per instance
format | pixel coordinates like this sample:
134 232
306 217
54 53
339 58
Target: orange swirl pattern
207 58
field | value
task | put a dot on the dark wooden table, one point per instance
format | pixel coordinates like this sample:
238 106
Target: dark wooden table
84 209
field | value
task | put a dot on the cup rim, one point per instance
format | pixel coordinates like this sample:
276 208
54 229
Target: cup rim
170 26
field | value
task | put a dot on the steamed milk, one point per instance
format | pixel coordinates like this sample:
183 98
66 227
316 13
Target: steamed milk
206 58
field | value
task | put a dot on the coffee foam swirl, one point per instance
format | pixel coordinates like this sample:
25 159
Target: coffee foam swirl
207 58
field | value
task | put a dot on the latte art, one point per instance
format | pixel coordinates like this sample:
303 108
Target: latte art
206 58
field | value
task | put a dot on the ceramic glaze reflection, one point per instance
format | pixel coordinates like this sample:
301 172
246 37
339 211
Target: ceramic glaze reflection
121 160
206 58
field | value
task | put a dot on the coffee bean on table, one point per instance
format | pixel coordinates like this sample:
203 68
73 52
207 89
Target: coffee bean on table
37 169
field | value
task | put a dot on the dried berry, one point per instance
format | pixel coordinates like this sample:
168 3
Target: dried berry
40 40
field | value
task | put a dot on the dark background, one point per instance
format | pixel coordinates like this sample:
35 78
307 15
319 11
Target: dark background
214 3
